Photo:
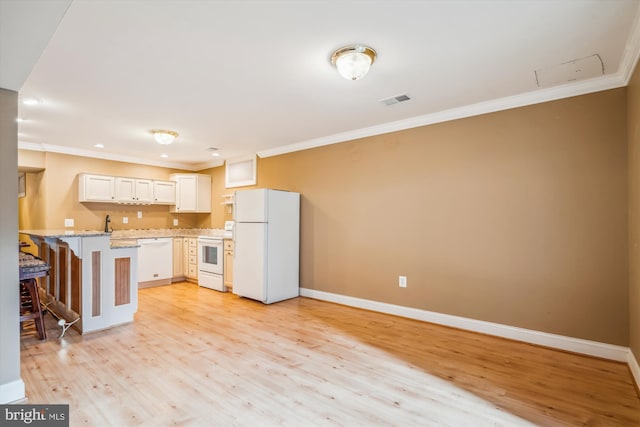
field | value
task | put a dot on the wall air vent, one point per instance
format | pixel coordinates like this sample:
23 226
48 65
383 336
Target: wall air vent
578 69
395 99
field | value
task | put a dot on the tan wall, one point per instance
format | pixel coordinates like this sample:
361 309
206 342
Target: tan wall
219 212
32 207
633 114
517 217
52 196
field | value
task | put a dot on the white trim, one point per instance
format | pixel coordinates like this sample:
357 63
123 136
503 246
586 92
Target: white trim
12 392
634 367
627 64
105 156
576 345
631 50
583 87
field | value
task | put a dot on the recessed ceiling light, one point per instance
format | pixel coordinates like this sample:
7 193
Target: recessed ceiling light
99 145
164 155
215 154
19 120
30 101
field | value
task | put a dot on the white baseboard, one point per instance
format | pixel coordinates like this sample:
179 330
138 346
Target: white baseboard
634 367
561 342
12 392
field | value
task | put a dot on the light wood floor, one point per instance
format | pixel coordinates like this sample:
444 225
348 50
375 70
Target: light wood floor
196 357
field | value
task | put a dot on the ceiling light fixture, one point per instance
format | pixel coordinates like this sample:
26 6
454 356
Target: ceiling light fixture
164 155
353 62
164 137
99 145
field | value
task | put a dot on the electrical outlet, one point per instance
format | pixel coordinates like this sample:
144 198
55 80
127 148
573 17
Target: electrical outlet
175 222
125 220
68 222
402 281
139 214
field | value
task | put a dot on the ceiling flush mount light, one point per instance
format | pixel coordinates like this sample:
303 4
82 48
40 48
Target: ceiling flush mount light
99 145
164 137
353 62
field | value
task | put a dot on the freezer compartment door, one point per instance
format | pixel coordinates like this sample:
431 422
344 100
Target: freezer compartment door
249 267
251 205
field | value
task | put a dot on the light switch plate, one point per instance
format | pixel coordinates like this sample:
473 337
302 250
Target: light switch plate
68 222
125 220
175 222
139 214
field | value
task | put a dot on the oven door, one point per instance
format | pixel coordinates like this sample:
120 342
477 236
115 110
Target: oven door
210 255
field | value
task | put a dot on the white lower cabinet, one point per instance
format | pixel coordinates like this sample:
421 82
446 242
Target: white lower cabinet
191 257
228 263
178 264
187 257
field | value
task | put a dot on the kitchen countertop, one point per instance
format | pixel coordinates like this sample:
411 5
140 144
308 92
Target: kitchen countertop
166 232
124 243
120 239
63 233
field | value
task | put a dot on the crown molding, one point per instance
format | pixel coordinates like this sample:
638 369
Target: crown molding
631 51
583 87
104 156
630 57
207 165
628 62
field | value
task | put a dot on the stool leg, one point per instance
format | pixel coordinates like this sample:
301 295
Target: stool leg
32 285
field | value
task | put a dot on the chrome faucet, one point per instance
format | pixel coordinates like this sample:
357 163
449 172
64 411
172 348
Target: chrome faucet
107 220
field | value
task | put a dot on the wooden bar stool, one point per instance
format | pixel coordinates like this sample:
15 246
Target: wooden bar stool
30 308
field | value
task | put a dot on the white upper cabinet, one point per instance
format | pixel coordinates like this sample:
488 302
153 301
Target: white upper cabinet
193 193
96 188
135 191
164 192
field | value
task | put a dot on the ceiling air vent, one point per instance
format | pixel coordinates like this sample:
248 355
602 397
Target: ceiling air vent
395 99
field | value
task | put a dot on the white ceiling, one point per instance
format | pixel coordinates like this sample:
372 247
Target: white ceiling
254 76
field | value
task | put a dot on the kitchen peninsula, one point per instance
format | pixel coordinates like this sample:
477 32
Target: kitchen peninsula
90 277
95 276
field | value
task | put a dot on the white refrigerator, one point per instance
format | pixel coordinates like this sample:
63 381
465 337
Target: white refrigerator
266 264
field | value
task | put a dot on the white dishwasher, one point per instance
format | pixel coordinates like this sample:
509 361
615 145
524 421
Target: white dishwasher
155 259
